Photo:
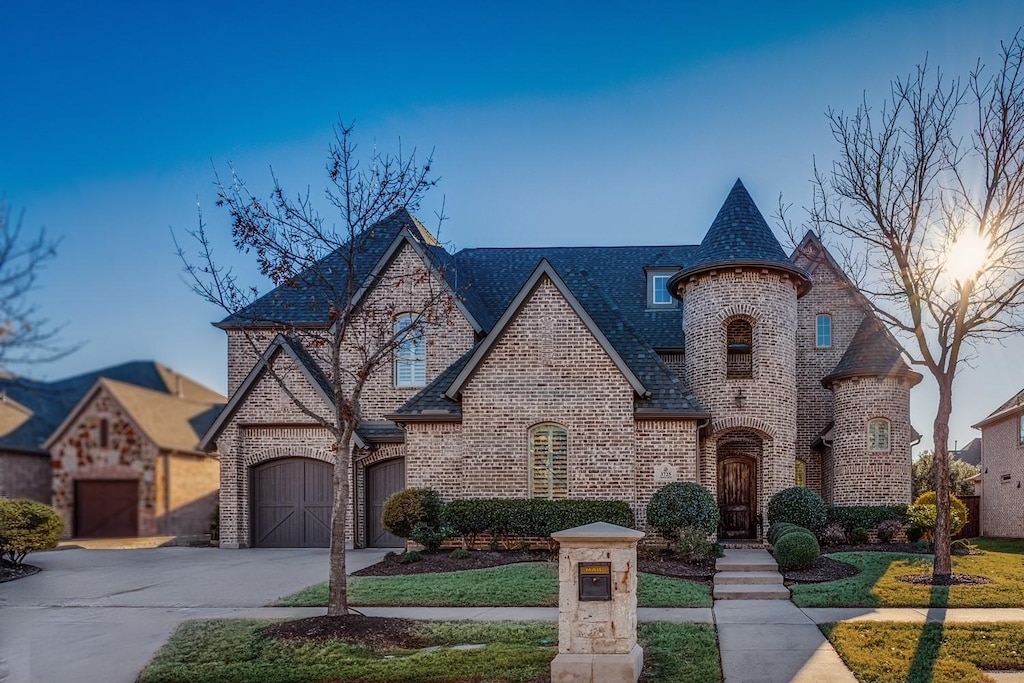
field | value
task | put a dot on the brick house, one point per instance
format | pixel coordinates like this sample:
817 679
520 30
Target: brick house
1002 469
583 372
114 451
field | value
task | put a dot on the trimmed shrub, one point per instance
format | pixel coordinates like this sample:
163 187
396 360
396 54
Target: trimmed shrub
797 550
410 557
682 504
923 513
832 534
502 517
798 505
774 529
460 554
888 530
859 535
914 533
867 516
791 529
693 546
405 510
27 526
430 537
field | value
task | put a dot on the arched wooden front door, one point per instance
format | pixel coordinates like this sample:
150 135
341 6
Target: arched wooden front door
737 496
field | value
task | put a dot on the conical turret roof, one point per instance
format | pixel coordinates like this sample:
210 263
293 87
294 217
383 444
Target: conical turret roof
739 236
872 353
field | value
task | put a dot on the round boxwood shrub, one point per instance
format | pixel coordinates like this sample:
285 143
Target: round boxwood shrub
27 526
797 550
406 510
775 529
682 504
791 529
798 505
889 529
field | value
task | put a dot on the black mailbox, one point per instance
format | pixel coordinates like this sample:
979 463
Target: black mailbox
595 579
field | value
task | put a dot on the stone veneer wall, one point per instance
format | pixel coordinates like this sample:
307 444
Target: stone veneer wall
768 300
832 295
26 475
862 477
1002 502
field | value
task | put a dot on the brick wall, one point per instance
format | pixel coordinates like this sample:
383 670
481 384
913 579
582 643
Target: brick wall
1002 500
672 442
186 492
26 475
860 476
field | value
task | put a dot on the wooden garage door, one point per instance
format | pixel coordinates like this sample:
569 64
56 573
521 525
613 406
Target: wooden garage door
106 508
382 480
292 504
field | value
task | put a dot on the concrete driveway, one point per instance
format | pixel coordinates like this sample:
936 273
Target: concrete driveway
100 615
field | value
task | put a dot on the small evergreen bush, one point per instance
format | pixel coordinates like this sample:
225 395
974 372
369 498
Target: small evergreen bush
797 550
27 526
888 530
405 510
867 516
460 554
774 529
914 533
923 513
410 557
430 537
693 546
682 504
791 529
832 534
798 505
859 536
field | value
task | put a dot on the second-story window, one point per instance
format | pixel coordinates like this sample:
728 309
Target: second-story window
878 434
1020 428
658 294
739 350
411 353
823 331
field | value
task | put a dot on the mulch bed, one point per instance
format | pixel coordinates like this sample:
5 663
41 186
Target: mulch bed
951 580
443 562
10 571
664 564
374 632
825 569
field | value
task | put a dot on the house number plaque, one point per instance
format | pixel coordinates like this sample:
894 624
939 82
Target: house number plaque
665 474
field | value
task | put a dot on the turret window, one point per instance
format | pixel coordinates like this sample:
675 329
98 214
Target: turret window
739 350
549 468
823 331
878 434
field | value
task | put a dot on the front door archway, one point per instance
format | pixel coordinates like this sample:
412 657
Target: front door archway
737 496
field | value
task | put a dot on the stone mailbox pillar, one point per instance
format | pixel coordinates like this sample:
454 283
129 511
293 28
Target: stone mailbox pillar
597 605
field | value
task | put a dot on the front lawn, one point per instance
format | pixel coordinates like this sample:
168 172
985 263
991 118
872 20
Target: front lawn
921 653
515 585
216 651
877 585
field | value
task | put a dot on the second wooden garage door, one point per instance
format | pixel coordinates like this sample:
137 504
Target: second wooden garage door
106 508
292 504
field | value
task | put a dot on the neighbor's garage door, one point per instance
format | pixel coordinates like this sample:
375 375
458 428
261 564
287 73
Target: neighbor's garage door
106 508
382 480
292 504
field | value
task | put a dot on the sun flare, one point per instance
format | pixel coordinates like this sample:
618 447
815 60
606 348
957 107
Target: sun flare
966 256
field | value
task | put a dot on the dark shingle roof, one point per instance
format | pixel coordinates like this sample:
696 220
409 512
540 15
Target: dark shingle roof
380 431
971 453
431 399
872 353
740 235
1013 406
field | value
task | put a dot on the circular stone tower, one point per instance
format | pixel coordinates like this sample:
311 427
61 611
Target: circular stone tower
739 294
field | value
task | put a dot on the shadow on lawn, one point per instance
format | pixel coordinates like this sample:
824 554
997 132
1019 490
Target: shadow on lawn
927 653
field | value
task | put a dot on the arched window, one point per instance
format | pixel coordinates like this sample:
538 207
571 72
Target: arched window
411 354
739 350
878 434
823 331
549 455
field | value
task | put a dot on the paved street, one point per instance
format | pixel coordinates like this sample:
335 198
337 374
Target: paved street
100 615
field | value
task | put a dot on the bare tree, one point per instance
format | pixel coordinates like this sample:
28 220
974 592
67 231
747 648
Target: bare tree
25 336
322 267
927 200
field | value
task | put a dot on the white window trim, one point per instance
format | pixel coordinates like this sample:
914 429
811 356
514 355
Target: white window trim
653 276
817 331
1020 430
888 435
416 359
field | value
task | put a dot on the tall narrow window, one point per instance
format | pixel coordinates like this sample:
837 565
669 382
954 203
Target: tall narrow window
1020 428
739 348
801 473
549 455
878 434
411 354
823 331
104 433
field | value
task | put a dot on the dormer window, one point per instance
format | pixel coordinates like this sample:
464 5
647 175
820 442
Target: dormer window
658 294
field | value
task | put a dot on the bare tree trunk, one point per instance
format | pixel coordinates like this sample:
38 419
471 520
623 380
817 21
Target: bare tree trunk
940 433
337 602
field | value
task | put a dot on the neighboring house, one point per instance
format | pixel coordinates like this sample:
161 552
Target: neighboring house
970 454
1002 470
114 451
579 372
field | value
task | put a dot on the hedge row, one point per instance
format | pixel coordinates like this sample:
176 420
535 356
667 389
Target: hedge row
530 517
865 516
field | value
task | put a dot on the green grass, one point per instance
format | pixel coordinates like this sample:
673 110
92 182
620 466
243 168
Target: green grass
877 586
233 651
882 652
532 584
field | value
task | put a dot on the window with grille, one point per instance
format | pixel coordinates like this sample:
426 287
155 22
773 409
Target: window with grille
549 455
823 331
878 434
739 347
411 354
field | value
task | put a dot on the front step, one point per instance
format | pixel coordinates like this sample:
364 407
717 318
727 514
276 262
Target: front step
751 578
746 561
751 592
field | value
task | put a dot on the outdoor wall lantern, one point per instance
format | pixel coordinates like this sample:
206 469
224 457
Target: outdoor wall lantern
595 580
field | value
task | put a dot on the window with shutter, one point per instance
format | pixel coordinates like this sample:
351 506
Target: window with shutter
739 350
411 354
549 455
878 434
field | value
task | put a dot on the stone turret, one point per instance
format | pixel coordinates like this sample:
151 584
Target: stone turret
871 437
739 294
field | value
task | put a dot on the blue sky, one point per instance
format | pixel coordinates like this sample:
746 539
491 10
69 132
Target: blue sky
551 124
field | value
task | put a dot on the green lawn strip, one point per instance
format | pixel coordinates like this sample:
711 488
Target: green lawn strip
514 585
211 651
877 586
883 652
